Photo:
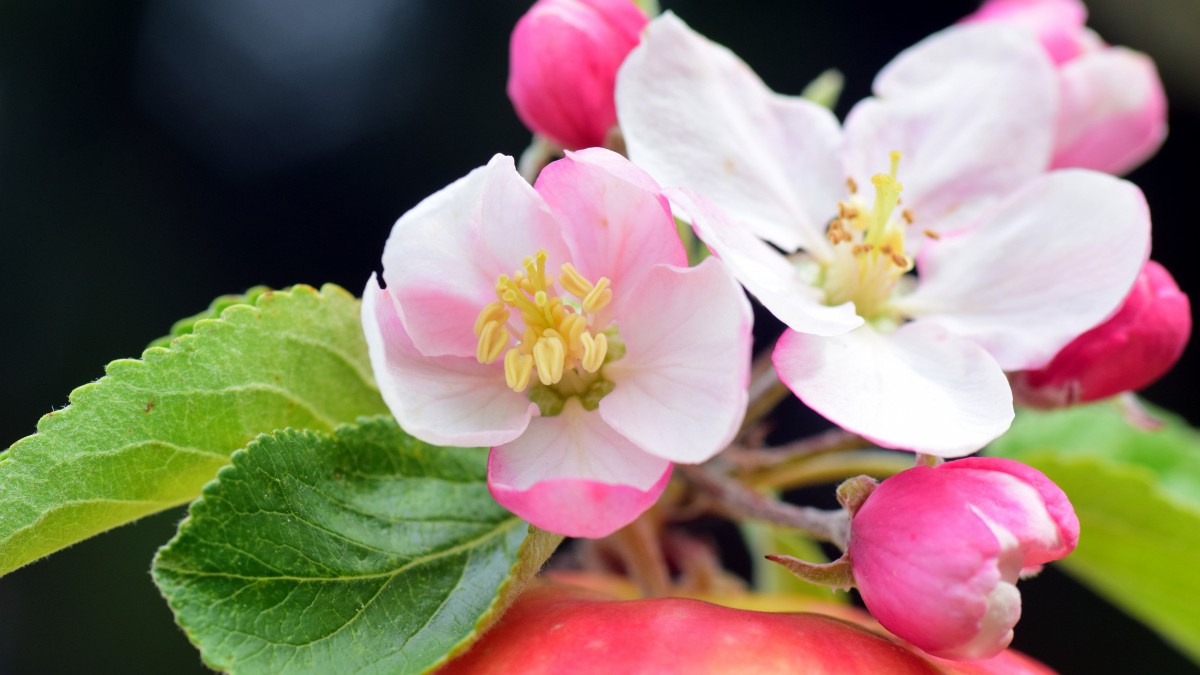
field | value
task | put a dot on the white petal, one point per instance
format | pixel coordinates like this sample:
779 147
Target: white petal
1052 261
444 256
696 116
445 400
681 387
765 273
574 475
971 110
918 388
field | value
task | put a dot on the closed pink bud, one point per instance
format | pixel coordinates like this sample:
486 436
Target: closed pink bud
1129 351
1113 111
563 62
937 551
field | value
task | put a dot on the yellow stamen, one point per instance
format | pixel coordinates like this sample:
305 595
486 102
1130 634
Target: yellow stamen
594 350
495 311
492 341
573 282
599 297
518 369
549 355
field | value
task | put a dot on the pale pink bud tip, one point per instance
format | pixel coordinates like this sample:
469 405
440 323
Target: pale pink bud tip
1129 351
937 551
563 62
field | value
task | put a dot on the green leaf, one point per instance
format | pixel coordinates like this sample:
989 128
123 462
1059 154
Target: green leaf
1137 494
224 302
365 551
151 433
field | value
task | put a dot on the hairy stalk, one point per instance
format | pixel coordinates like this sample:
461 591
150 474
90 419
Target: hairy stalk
766 391
750 459
639 547
735 500
828 468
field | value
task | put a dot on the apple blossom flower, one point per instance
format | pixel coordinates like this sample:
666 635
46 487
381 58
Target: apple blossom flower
1012 262
1113 111
563 62
1129 351
936 551
560 325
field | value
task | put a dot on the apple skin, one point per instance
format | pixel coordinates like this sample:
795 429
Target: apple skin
561 629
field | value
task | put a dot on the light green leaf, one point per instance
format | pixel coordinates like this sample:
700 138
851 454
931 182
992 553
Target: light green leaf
365 551
1137 494
222 303
825 89
152 432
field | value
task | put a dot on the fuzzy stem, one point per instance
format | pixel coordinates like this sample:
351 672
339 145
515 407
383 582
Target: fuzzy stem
736 500
638 546
829 468
766 391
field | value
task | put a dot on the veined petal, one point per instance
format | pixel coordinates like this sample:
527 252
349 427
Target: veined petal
445 400
614 218
1114 111
696 116
574 475
919 388
444 256
971 110
765 273
681 388
1053 260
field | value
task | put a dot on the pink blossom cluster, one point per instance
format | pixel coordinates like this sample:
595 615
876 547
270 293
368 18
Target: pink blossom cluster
960 237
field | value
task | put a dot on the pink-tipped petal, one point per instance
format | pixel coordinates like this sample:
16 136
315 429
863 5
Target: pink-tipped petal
926 567
971 110
1128 352
1058 24
680 389
696 116
445 400
918 388
767 275
574 475
444 256
1022 500
563 61
1049 263
614 218
1113 115
937 551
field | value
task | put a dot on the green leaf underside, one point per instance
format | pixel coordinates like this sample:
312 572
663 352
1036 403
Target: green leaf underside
152 432
365 551
1137 494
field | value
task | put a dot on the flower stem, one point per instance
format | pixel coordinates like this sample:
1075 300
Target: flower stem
639 548
766 391
736 500
828 467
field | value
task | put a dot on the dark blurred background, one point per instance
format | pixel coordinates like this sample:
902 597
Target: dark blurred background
154 155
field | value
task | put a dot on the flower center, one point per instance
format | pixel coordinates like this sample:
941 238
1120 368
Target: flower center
868 243
556 336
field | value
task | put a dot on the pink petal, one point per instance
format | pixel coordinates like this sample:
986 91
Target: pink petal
614 218
573 475
1024 501
696 116
926 567
681 388
1053 260
767 275
445 400
971 110
1114 111
1058 24
918 388
1128 352
444 256
563 62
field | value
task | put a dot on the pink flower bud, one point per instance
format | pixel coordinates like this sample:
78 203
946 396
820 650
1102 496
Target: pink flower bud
1130 350
1113 112
937 551
563 62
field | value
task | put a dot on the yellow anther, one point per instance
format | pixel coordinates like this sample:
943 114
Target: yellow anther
518 369
599 297
495 311
493 338
594 350
573 282
549 355
572 327
851 185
